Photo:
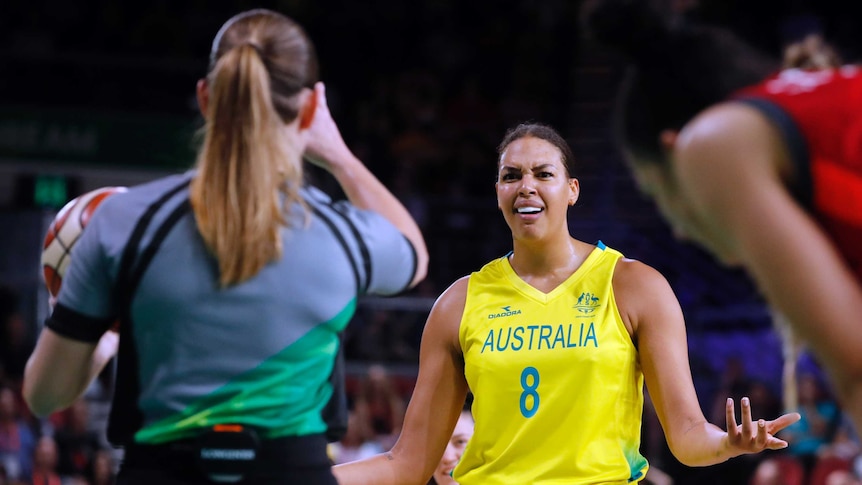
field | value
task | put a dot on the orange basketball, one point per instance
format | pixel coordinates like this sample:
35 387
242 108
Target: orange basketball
64 231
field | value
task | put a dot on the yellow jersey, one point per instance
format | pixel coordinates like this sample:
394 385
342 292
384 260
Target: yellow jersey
557 385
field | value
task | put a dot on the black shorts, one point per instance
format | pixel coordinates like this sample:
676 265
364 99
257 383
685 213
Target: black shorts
282 461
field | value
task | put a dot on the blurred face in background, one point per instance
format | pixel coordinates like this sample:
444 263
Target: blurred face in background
454 450
8 408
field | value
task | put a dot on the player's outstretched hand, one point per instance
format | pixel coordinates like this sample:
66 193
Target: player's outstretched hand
751 436
325 146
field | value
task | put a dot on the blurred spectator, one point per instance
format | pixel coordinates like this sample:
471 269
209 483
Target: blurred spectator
358 442
809 438
103 468
45 463
781 470
17 440
77 444
820 418
379 403
836 458
461 435
842 477
845 442
16 342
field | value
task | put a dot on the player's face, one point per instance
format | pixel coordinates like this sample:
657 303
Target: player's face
657 181
534 191
454 450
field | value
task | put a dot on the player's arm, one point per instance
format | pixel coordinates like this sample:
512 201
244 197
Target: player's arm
728 168
60 369
326 148
437 400
649 305
75 344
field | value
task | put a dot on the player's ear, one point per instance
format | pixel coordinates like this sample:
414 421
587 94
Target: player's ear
307 107
203 94
575 190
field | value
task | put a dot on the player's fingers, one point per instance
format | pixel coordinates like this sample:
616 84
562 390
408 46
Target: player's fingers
774 443
782 422
747 427
762 434
730 414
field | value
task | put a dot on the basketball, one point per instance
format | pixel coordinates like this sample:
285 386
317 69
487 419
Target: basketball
64 231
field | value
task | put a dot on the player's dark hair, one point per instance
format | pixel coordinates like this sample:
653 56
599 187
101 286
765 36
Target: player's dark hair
676 69
543 132
248 167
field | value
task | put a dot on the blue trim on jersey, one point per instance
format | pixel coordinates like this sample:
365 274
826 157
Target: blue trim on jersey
601 245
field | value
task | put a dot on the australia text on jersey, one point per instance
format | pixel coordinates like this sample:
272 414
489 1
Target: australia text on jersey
541 337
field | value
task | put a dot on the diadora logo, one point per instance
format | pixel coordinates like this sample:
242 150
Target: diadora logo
587 303
507 312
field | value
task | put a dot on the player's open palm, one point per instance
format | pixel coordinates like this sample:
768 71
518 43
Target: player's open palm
755 436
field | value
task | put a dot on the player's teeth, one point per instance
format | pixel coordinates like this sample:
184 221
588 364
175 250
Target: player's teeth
528 210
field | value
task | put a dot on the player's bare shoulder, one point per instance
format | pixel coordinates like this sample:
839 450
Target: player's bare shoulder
453 297
638 287
634 273
446 314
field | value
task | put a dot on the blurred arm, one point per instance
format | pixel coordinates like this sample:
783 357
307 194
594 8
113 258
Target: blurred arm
730 166
60 369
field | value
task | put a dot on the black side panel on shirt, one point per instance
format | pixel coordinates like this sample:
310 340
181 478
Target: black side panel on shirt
334 414
126 418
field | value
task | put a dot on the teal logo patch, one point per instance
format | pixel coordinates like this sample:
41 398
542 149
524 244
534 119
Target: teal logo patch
587 303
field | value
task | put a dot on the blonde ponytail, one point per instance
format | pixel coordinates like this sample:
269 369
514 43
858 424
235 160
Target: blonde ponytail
244 166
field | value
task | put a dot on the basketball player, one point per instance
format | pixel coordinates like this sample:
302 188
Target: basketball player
555 341
761 166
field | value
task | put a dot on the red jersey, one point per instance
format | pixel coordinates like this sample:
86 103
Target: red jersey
819 113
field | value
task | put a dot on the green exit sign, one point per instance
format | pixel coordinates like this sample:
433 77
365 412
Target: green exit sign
46 191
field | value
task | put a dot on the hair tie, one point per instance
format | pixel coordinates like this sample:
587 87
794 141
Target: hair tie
254 46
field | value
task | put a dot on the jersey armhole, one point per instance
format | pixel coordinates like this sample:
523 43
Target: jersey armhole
796 144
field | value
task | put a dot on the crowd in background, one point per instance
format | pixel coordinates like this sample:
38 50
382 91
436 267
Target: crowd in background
67 448
423 92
